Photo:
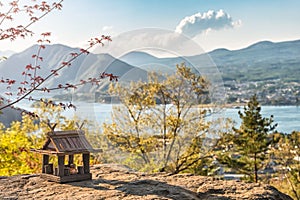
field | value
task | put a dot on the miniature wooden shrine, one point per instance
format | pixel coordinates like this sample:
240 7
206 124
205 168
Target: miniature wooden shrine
66 144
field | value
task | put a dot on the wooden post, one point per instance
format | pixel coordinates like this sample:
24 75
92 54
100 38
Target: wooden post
71 160
86 162
61 165
80 170
49 168
45 162
67 171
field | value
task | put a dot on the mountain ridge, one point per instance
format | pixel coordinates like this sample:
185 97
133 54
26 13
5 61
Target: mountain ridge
90 65
262 61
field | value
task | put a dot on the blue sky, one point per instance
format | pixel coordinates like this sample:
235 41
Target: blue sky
244 22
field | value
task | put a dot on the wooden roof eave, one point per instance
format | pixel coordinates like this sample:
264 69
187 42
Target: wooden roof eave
46 143
54 145
49 152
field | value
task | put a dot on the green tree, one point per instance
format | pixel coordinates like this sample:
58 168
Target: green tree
250 143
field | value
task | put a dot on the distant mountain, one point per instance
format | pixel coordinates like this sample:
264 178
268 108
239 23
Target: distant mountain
137 58
84 67
8 115
53 56
261 61
148 62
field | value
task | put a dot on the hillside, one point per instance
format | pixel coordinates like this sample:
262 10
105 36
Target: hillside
119 182
9 114
52 55
259 62
268 69
84 67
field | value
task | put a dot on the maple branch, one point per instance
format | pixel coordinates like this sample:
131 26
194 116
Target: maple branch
52 103
82 82
23 30
54 72
37 56
9 11
54 6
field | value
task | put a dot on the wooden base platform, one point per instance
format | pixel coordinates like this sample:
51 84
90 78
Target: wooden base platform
66 179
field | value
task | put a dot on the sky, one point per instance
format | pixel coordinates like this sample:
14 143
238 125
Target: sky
211 24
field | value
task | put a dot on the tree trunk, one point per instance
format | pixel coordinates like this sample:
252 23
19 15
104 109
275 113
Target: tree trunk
169 153
144 156
164 103
255 168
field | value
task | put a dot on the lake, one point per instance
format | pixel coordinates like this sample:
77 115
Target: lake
287 117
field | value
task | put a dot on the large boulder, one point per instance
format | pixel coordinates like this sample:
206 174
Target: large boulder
113 181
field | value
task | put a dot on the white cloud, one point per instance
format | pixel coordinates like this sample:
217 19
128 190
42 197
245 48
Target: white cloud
205 22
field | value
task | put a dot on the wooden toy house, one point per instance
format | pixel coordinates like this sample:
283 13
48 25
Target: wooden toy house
66 144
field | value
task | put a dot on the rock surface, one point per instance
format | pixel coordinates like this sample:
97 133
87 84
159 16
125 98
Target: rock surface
112 181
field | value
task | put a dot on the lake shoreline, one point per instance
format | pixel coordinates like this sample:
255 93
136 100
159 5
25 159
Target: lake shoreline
287 117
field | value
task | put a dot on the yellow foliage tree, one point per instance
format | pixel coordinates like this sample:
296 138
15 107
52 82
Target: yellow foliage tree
160 121
287 155
17 140
15 144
